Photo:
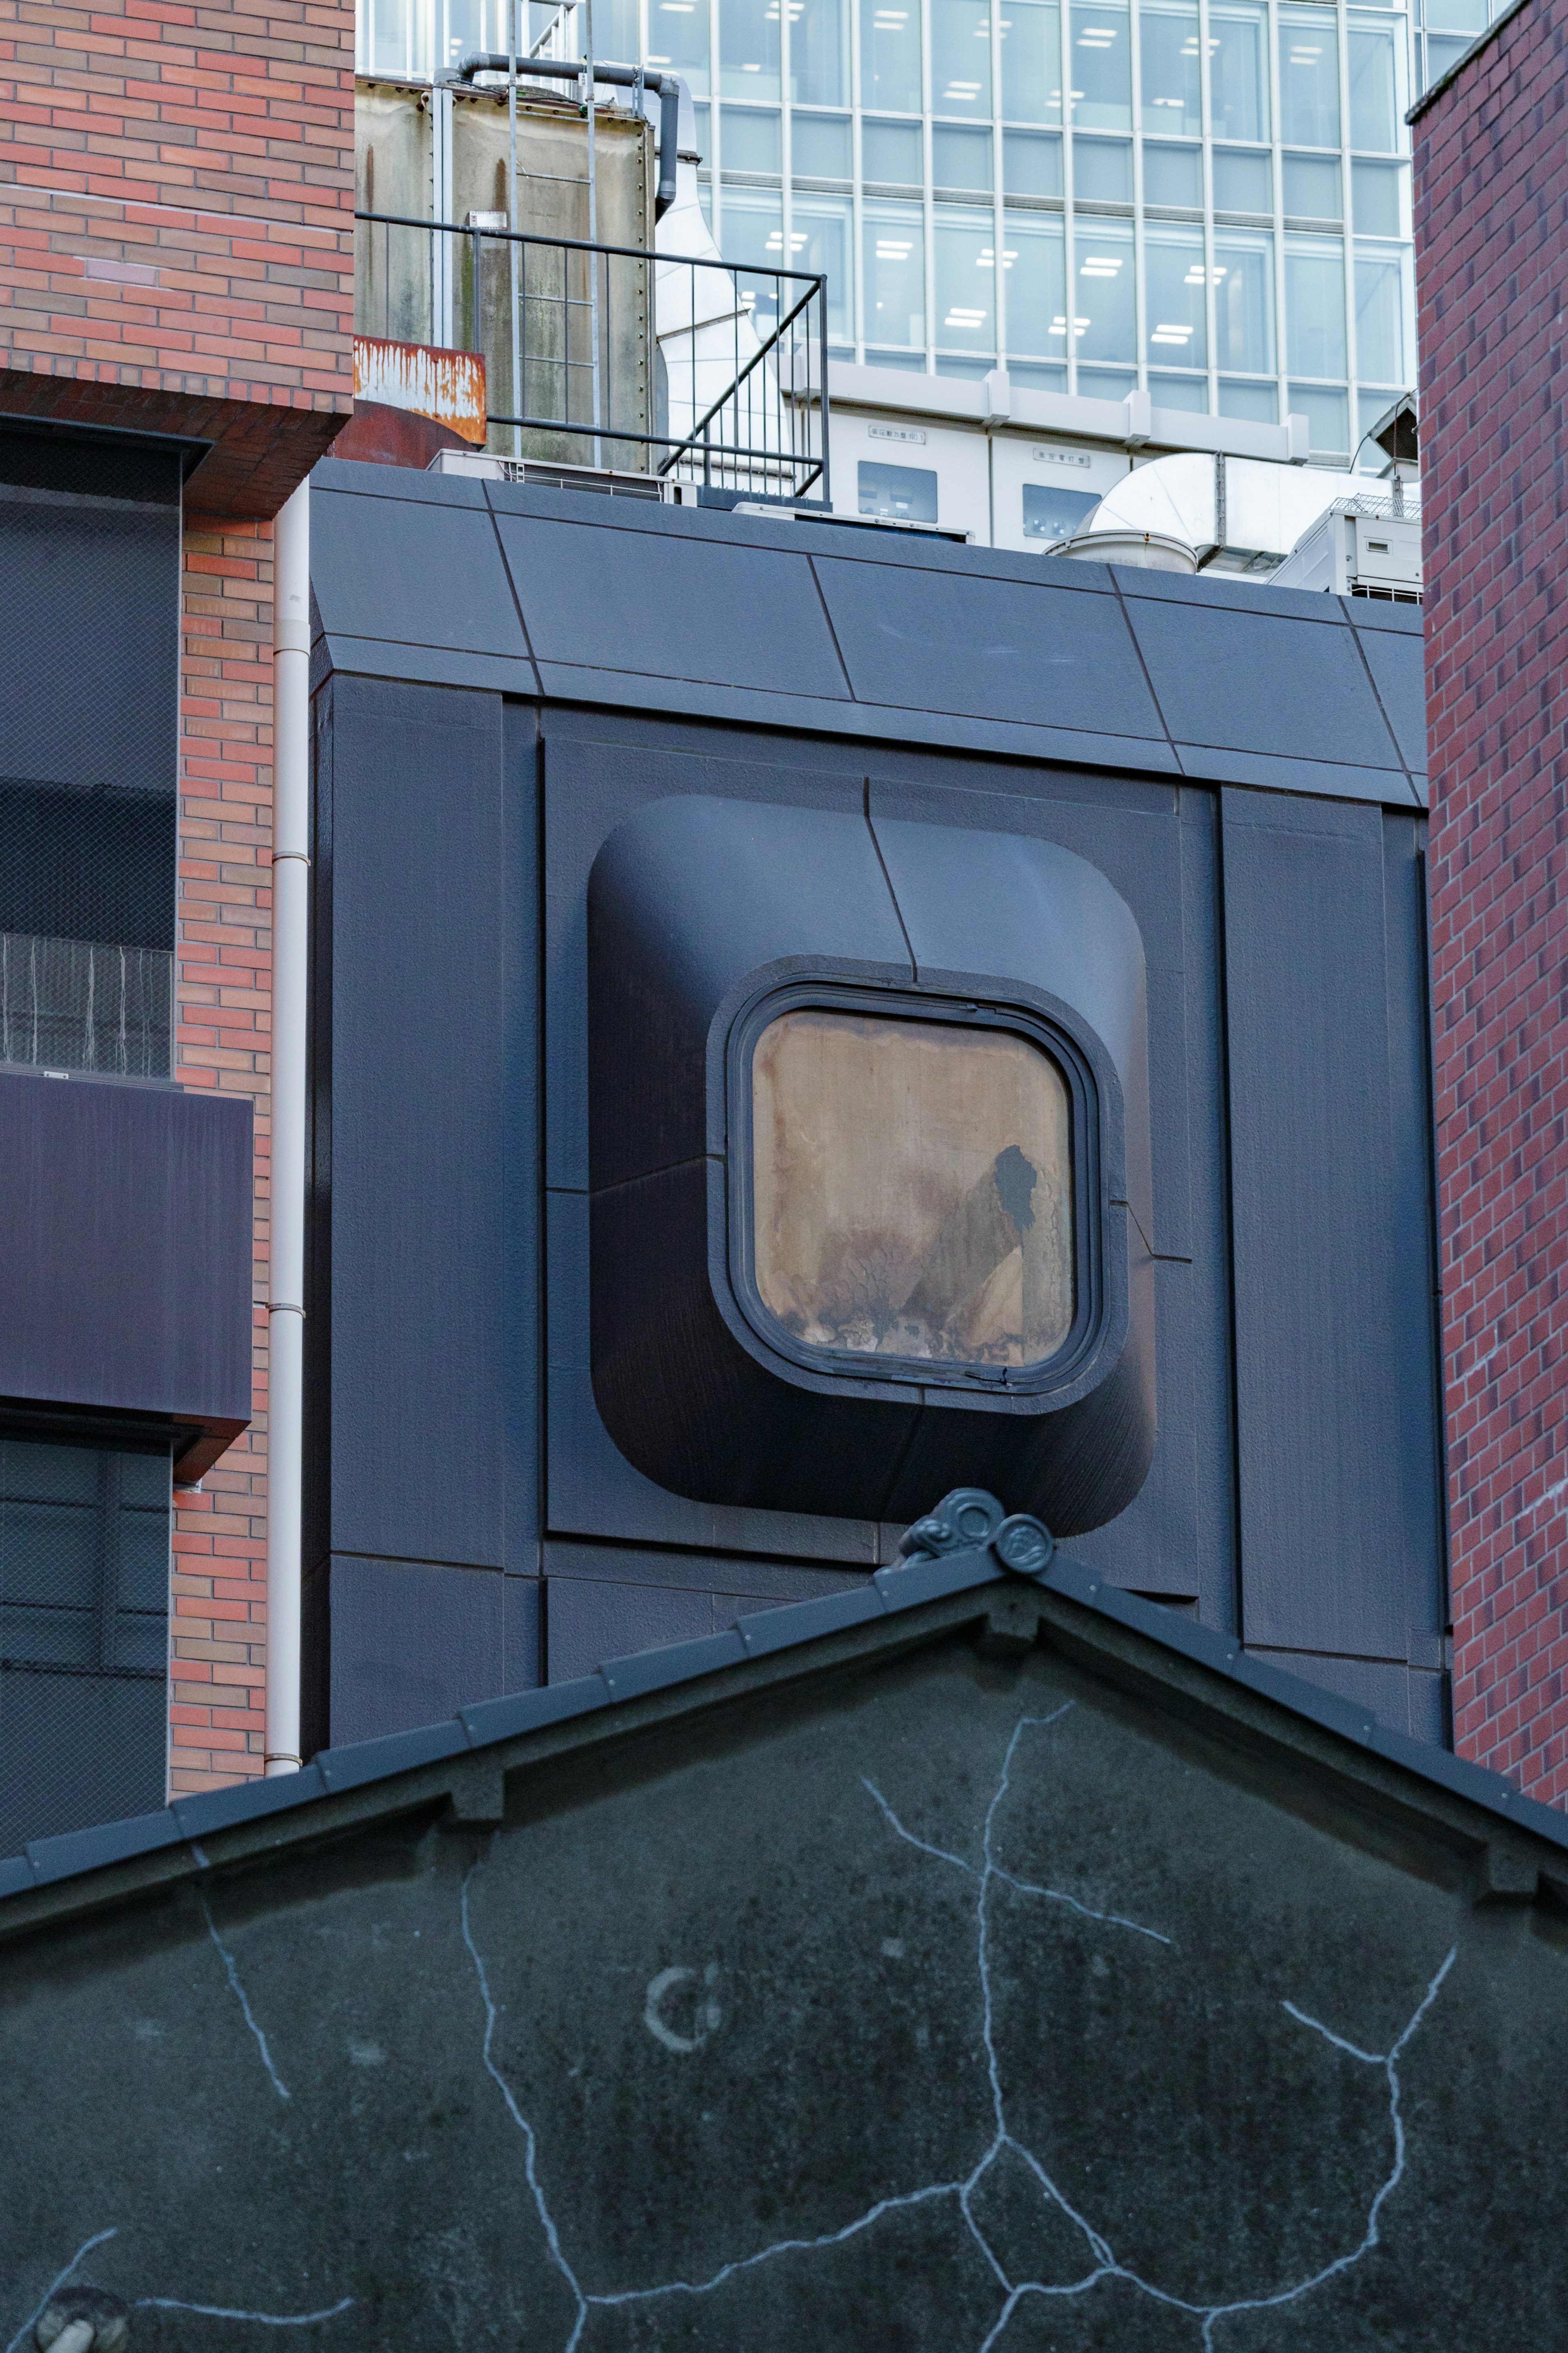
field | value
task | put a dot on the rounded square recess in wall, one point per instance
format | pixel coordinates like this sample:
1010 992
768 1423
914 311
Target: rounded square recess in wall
870 1159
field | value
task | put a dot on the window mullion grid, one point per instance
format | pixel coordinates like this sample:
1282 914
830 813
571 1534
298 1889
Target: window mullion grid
715 126
1206 134
1069 238
1341 35
928 209
858 192
998 263
1139 274
786 110
1277 170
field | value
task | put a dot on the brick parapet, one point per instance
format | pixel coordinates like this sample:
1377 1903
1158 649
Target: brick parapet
1492 230
177 203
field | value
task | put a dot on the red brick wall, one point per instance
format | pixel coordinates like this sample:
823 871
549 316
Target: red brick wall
223 956
176 194
1491 179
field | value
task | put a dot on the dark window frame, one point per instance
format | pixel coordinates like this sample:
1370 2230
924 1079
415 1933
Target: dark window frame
883 1002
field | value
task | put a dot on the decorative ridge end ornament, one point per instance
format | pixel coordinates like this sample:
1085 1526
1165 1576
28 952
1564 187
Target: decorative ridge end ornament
968 1519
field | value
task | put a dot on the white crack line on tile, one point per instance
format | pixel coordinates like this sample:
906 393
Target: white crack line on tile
238 1989
56 2284
165 2303
1102 2259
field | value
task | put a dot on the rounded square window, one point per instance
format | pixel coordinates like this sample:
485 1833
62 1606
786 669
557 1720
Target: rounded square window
911 1188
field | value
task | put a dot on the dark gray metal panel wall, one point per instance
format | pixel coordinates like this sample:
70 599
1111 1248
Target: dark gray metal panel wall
426 1153
1335 1458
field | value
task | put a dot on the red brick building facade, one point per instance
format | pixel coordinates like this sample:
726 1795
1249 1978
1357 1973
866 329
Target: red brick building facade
176 257
1491 191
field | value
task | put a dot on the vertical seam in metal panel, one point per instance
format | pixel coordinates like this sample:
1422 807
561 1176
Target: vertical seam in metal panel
1228 1174
1132 638
882 863
1381 708
511 585
837 648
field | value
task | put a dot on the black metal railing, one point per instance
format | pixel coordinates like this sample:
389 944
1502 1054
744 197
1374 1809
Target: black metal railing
607 356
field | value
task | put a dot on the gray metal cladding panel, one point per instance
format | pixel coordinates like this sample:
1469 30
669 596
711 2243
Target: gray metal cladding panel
422 943
1399 674
1040 655
1260 682
1336 1526
703 1572
423 575
594 1491
1407 1699
125 1281
412 1642
585 1622
653 603
591 785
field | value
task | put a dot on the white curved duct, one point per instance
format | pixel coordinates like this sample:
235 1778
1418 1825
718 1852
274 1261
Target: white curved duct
1267 506
705 332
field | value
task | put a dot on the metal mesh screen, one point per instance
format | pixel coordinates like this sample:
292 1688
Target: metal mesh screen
84 1635
83 1005
89 585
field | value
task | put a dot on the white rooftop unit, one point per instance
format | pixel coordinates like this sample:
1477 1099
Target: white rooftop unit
1364 546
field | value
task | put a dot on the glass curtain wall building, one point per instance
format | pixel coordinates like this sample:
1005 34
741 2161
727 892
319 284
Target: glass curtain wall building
1223 186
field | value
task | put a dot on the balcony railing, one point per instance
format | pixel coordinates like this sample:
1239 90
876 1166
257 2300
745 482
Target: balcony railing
602 355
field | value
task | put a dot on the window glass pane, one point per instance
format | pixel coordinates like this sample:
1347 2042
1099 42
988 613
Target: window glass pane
1376 55
818 51
1189 392
753 239
1051 515
1244 306
822 240
1031 61
1243 181
753 141
1467 16
1327 413
960 56
912 1188
892 151
965 280
615 35
1102 170
1171 97
678 37
904 493
1032 162
1032 256
1380 198
393 39
1174 296
895 275
1309 77
1103 325
749 49
1259 403
1381 356
819 146
1174 175
960 157
891 55
1238 70
1315 306
1311 186
1102 67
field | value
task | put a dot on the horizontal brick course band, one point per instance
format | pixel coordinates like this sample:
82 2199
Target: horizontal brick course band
1491 185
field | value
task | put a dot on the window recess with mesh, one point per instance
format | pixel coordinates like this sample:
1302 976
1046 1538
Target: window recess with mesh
84 1635
90 583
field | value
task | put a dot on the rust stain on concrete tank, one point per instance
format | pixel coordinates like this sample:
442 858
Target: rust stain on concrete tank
447 385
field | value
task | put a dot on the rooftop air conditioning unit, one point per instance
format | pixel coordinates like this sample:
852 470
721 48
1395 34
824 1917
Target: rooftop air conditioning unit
1360 547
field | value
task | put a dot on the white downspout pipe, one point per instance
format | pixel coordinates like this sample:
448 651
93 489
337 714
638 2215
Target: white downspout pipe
285 1296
